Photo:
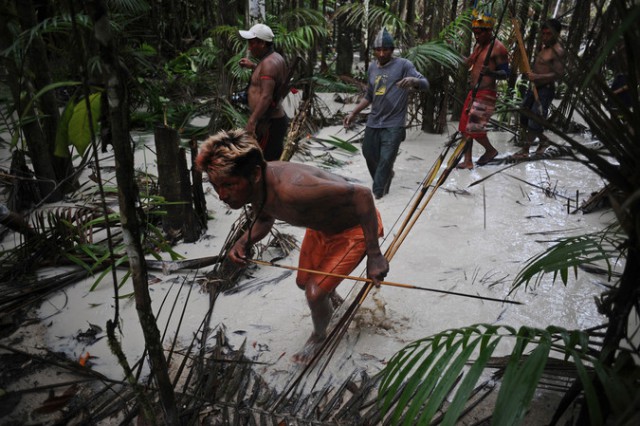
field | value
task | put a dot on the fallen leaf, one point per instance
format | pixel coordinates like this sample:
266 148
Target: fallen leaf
55 403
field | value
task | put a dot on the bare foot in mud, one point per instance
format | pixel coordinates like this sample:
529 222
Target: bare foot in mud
309 350
522 154
465 165
542 148
487 157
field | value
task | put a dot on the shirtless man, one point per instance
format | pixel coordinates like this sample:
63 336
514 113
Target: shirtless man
546 70
268 121
341 220
477 112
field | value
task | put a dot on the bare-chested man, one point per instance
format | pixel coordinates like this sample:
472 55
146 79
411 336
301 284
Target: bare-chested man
546 70
268 121
342 222
477 111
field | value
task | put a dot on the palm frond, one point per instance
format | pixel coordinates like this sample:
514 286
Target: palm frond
229 33
310 28
355 15
417 379
337 142
453 33
299 17
323 84
425 56
571 252
132 7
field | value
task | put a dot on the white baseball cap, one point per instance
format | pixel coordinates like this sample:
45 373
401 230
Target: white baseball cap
260 31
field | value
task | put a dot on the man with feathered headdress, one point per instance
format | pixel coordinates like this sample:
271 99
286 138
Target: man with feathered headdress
487 63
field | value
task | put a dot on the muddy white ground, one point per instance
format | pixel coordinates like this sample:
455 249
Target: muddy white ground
468 239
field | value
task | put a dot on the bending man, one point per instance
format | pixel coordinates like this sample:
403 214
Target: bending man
341 220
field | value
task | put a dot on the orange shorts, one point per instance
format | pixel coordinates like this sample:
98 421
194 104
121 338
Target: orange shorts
474 118
338 254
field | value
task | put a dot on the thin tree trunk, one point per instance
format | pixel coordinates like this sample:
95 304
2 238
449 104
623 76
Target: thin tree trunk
575 35
344 47
199 201
115 80
175 186
462 85
47 104
22 94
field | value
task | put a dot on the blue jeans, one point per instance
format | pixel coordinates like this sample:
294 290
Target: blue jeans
380 147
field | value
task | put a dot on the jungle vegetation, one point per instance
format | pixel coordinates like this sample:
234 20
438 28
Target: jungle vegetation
78 78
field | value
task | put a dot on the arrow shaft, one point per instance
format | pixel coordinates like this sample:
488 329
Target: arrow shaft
387 283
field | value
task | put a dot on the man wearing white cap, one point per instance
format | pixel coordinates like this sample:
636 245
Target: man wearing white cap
268 121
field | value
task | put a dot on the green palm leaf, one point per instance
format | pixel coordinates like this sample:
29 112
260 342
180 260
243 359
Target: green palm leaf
425 56
571 252
421 375
337 142
488 345
80 130
425 372
355 15
514 397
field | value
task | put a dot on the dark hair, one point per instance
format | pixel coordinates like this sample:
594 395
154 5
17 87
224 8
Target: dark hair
553 24
245 165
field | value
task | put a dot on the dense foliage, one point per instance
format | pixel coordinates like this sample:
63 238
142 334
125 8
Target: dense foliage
65 66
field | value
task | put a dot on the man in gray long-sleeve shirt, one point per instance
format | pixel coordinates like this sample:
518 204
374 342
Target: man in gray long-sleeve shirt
388 79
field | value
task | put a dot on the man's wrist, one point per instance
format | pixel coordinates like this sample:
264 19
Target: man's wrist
374 252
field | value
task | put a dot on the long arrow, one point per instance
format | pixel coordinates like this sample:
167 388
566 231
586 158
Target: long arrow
388 283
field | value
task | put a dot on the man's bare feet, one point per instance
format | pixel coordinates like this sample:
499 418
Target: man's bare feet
522 154
310 348
487 157
465 165
542 148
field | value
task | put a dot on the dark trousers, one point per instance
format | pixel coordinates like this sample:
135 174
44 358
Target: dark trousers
271 140
545 94
380 147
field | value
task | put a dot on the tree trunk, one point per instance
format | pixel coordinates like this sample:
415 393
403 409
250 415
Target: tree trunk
199 201
344 48
115 80
175 186
46 102
462 85
22 92
575 34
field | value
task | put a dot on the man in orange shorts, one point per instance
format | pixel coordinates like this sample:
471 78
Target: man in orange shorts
477 111
335 253
343 222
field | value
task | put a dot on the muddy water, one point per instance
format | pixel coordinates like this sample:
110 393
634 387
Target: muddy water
468 239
